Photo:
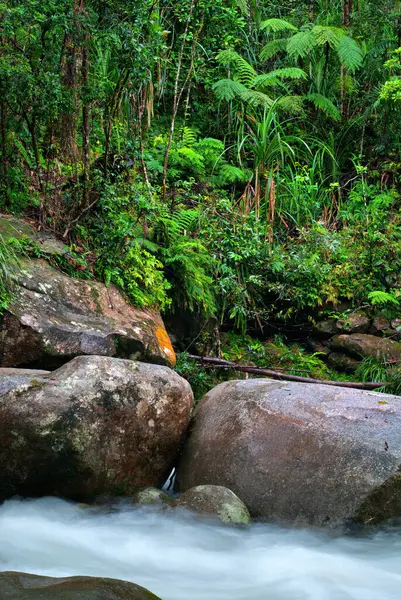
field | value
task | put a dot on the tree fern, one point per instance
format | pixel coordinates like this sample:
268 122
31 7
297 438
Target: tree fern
291 104
256 99
190 263
278 74
277 25
246 73
328 35
228 89
188 137
325 105
300 44
272 48
172 226
243 6
350 53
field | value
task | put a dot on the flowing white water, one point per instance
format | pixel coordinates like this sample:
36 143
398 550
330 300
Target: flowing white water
181 558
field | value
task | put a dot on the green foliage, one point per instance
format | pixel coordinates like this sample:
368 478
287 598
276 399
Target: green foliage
373 369
379 298
201 380
8 269
280 200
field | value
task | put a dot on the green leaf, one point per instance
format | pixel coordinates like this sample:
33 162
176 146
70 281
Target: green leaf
246 73
228 89
382 298
291 104
272 48
301 44
350 54
328 35
277 25
325 105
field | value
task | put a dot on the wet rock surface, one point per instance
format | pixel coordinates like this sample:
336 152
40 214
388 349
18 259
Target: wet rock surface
298 453
54 318
363 345
215 501
152 496
97 425
21 586
358 321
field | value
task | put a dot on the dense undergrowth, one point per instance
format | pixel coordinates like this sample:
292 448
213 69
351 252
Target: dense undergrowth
233 160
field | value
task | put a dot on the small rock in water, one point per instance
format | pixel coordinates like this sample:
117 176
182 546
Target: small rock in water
151 495
21 586
215 500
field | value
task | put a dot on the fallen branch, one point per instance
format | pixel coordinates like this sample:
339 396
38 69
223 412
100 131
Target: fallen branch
220 363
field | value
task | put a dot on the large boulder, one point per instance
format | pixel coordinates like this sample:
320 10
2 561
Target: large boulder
343 362
97 425
299 453
54 317
215 501
358 321
363 345
21 586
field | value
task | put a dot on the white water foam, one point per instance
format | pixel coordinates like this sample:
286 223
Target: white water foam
182 558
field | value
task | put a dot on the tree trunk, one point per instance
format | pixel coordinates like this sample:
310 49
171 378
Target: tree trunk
71 59
348 7
4 163
226 364
85 121
111 113
177 97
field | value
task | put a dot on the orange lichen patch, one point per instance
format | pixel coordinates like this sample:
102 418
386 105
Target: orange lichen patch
165 344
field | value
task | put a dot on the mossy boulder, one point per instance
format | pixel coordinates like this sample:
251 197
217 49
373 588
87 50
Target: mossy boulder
298 453
96 426
152 496
343 362
21 586
358 321
215 501
54 318
363 345
24 229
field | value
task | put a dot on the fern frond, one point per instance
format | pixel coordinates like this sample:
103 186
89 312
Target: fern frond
277 25
255 98
175 225
328 35
243 6
188 137
272 78
291 104
246 73
228 89
350 53
325 105
231 174
300 44
272 48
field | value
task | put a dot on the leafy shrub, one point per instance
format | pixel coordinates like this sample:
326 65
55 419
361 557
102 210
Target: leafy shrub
8 270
